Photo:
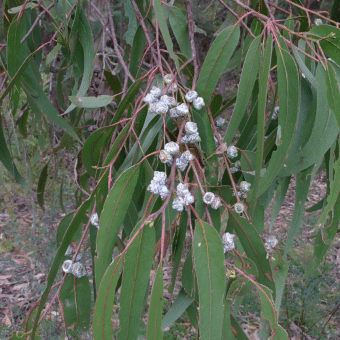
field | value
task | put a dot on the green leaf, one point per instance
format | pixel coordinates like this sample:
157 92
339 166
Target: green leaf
91 102
247 81
85 35
133 25
158 7
329 38
303 180
6 159
75 296
213 67
17 9
211 272
138 261
112 217
333 92
322 136
178 23
71 230
253 246
154 331
41 186
288 84
102 324
178 308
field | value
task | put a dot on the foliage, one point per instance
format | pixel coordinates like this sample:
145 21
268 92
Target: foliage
153 171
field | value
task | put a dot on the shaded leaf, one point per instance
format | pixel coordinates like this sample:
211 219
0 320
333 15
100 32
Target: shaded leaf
91 102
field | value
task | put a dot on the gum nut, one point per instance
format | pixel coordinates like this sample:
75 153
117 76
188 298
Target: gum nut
228 242
220 121
167 78
208 197
156 91
190 128
163 192
170 101
78 270
178 204
152 108
154 187
232 152
194 138
185 139
174 113
188 156
161 108
191 95
165 157
216 203
271 243
173 88
67 266
239 208
182 189
245 186
149 98
182 109
181 164
198 103
188 199
171 148
95 220
159 176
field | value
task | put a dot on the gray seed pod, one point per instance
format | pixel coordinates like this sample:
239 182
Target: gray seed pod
95 220
178 203
165 157
161 108
173 88
239 208
181 164
167 78
208 197
171 148
245 186
149 98
78 270
159 176
232 152
163 192
68 251
182 109
216 203
191 95
188 156
190 128
198 103
276 111
154 187
170 101
188 199
219 121
67 266
271 243
182 189
155 91
228 242
174 113
152 108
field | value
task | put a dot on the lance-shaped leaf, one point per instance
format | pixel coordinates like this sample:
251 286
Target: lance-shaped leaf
41 186
162 22
333 91
85 34
154 331
112 217
210 271
178 23
253 246
75 296
322 136
138 261
213 67
288 84
91 102
178 308
102 324
249 75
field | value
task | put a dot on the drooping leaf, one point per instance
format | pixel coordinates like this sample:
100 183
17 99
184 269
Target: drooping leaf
41 186
213 67
210 271
154 331
102 324
91 102
75 296
333 91
138 261
247 81
112 217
